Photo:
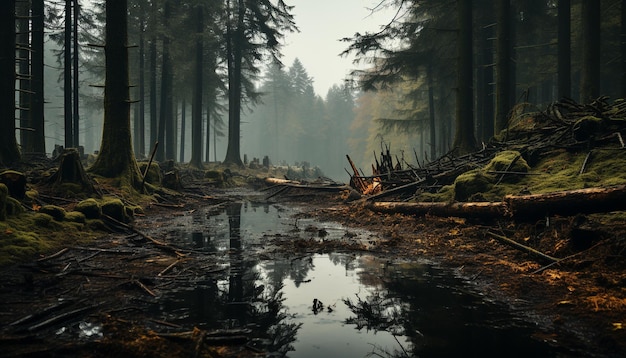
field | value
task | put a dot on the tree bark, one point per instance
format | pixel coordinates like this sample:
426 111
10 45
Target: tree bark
37 83
524 207
235 56
590 72
116 158
9 152
166 115
153 76
67 76
484 210
503 64
75 57
196 105
23 39
464 138
564 49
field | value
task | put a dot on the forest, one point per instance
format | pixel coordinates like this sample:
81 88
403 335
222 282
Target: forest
170 186
545 51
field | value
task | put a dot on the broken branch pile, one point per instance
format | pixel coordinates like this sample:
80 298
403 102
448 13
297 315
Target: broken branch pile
563 126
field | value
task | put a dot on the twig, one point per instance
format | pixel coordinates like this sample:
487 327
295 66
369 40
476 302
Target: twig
168 268
141 285
55 255
563 259
525 248
145 173
582 168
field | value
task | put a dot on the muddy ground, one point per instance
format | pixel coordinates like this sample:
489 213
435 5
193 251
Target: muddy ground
102 292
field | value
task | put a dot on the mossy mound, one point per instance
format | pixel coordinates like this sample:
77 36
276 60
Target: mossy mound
14 207
471 183
75 216
42 219
502 161
153 176
115 209
57 212
90 208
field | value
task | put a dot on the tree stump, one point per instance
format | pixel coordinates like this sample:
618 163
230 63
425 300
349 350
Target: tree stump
15 182
71 171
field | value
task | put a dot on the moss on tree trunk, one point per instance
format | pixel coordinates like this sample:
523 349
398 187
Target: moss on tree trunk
116 158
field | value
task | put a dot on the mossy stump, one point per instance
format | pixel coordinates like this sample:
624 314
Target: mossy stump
71 170
15 182
90 208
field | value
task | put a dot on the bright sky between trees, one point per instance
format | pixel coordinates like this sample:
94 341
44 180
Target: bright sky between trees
322 24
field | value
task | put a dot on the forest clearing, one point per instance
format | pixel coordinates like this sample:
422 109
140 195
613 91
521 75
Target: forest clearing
490 220
67 263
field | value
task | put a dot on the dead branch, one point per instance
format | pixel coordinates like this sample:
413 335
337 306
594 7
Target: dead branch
527 249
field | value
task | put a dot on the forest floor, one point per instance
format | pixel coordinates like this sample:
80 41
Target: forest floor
92 297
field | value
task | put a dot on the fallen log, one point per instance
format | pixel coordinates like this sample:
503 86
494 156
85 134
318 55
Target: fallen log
569 202
295 184
473 209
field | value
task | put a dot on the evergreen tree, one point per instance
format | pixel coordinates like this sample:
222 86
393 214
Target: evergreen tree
252 27
116 158
9 152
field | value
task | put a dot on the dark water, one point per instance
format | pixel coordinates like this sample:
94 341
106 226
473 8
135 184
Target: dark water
338 305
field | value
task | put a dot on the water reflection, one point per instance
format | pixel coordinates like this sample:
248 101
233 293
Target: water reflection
341 305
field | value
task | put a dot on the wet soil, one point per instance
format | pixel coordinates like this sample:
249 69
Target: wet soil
101 293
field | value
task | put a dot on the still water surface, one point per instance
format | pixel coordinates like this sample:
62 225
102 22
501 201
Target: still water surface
338 304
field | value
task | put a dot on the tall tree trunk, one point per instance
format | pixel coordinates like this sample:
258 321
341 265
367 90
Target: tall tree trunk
183 125
464 138
141 140
166 115
623 50
37 103
9 152
196 104
23 41
590 73
75 54
116 158
153 76
431 111
235 41
207 144
564 56
503 64
485 88
67 76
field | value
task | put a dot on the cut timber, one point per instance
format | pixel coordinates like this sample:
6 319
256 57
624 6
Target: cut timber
296 184
475 210
583 201
570 202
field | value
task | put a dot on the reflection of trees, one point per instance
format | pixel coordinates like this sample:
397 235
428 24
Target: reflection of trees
250 302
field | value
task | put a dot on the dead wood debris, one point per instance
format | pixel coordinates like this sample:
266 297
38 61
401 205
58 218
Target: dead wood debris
562 125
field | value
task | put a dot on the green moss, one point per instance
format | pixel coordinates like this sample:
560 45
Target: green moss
503 160
90 208
154 173
42 219
115 209
75 216
470 183
57 212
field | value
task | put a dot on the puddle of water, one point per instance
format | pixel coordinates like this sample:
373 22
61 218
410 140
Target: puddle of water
339 305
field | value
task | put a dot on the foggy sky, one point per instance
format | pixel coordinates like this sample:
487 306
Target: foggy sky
322 23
